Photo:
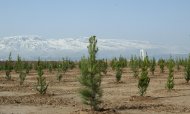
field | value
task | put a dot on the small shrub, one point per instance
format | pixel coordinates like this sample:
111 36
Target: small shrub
170 80
18 65
178 64
113 63
134 64
161 63
41 82
152 66
102 66
122 62
20 70
28 67
27 70
144 79
50 68
187 71
8 67
65 65
118 74
59 74
22 77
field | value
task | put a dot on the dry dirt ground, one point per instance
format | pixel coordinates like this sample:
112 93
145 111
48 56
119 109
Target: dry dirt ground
118 98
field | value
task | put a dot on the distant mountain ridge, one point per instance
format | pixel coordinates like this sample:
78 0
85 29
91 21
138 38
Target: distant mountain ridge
32 47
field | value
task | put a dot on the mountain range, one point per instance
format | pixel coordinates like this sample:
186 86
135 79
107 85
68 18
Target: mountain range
33 47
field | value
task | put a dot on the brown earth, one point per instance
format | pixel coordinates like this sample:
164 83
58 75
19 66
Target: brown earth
118 98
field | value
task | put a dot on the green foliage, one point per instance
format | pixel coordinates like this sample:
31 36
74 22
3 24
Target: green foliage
122 62
90 78
118 74
161 63
37 64
178 64
71 64
118 65
144 79
152 65
19 68
59 74
187 70
102 66
50 68
134 64
22 77
8 67
170 80
41 81
113 63
65 65
18 65
28 67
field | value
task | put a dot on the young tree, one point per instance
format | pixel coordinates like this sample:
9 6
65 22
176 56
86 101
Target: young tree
41 81
113 63
170 80
118 73
177 61
71 64
161 63
144 79
8 67
102 66
187 70
28 67
123 62
20 69
22 76
90 78
18 66
152 65
134 64
65 65
50 67
59 74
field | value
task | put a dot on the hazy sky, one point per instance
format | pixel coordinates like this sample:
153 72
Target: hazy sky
163 21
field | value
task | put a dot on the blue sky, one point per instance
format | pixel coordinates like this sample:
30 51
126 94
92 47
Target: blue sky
162 21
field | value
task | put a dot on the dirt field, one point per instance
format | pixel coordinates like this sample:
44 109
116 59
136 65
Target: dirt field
123 98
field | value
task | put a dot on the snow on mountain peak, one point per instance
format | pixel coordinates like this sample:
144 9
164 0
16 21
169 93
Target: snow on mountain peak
35 46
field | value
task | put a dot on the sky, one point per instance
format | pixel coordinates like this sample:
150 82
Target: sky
158 21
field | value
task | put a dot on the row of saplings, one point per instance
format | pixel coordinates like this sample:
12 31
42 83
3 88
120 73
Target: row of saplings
137 65
23 68
92 71
91 75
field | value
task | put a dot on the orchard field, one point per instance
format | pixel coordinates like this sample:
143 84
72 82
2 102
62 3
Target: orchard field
118 86
123 98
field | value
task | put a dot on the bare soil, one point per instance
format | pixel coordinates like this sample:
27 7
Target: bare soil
118 98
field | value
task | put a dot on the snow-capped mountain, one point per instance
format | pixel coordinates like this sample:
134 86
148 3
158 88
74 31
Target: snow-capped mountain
32 47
